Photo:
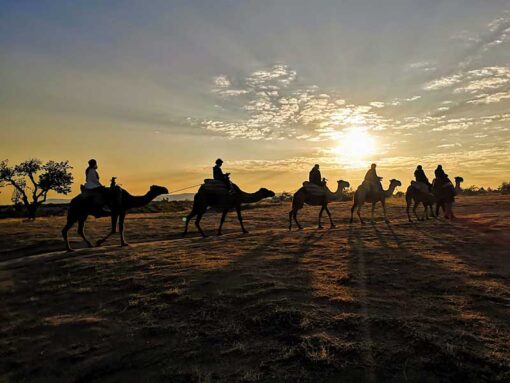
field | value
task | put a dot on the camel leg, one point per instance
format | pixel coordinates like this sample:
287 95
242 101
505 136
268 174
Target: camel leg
359 213
81 231
188 218
408 205
329 215
372 213
113 230
240 218
352 211
197 224
415 206
320 216
294 214
290 220
222 220
65 230
383 202
122 218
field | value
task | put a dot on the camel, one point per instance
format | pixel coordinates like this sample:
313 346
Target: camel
320 198
81 207
220 197
418 196
362 195
458 181
445 196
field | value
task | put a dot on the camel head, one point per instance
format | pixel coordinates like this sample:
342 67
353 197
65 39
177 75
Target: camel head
343 184
394 183
266 193
158 190
459 180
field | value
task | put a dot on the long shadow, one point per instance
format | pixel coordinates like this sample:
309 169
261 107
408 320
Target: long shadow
448 284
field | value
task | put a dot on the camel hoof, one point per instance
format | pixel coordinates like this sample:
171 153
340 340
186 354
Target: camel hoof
300 228
69 250
332 226
124 244
320 227
219 233
245 231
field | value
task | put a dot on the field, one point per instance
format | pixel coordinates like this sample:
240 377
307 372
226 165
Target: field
400 302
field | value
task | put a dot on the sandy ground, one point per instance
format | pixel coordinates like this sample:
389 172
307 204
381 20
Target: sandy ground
411 302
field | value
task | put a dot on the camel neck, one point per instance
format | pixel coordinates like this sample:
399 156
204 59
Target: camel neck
138 201
250 197
389 192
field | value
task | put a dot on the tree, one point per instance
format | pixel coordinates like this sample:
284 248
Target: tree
505 188
32 180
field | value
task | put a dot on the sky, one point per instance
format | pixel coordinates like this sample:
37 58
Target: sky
156 91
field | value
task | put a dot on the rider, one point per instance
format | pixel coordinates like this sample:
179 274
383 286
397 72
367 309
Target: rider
315 176
373 179
92 185
420 176
219 175
439 173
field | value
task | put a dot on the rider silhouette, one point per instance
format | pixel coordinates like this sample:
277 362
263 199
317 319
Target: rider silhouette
315 176
218 174
373 179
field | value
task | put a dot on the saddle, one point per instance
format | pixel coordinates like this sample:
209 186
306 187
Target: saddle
218 186
313 189
420 186
103 196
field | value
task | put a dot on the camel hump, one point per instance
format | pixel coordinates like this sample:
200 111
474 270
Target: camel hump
213 185
312 186
420 186
313 189
210 181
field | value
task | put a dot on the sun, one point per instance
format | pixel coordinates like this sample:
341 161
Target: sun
354 146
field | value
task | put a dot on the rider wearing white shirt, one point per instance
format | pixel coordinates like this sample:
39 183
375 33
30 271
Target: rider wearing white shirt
91 176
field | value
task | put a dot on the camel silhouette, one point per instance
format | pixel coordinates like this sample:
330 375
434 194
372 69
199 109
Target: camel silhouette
222 198
419 197
445 192
81 207
315 196
363 195
458 181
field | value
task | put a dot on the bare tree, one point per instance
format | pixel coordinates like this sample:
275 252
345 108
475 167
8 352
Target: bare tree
32 180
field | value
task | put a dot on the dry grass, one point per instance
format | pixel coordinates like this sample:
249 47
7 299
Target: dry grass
426 301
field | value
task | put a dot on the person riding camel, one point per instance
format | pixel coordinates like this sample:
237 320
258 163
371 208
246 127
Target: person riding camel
439 173
441 176
315 176
419 175
101 195
373 180
218 174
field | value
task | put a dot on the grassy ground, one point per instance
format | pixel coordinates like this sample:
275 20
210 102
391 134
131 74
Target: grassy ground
416 302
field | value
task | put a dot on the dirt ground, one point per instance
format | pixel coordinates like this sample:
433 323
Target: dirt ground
398 302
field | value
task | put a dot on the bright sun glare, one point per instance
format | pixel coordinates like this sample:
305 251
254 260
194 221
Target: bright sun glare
354 146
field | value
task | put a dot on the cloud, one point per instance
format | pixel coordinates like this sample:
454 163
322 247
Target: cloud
487 79
490 98
496 34
424 66
275 107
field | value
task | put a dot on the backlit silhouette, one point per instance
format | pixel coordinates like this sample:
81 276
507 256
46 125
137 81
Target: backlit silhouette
314 195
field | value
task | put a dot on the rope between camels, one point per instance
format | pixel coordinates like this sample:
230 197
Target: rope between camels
178 190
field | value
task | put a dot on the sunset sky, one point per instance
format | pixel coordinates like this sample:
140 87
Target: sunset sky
157 90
